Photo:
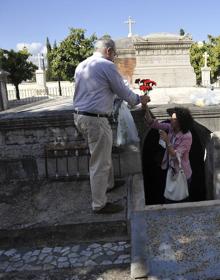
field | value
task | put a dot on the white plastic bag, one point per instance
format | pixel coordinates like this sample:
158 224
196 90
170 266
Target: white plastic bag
176 184
207 98
126 130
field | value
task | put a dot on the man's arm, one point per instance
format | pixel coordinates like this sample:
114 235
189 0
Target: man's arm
119 88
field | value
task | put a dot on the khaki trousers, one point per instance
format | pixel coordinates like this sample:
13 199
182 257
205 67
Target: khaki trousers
97 131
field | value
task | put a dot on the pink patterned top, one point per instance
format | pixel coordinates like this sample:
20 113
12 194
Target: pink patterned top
181 144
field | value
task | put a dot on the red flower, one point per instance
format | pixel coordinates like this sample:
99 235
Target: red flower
145 84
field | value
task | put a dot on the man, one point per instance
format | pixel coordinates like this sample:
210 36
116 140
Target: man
96 82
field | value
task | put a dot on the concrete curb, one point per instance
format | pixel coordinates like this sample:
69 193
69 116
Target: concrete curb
136 204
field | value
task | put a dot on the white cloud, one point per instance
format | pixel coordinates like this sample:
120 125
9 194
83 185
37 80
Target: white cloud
34 48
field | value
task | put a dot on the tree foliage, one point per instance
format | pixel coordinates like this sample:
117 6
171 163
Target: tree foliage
182 32
69 53
212 47
18 66
48 71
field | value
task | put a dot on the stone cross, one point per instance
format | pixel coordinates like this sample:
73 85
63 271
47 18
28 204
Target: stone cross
205 55
129 22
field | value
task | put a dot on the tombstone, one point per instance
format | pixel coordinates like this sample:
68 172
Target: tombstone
164 58
41 76
206 72
3 90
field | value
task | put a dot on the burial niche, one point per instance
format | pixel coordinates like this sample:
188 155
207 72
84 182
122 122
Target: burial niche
154 176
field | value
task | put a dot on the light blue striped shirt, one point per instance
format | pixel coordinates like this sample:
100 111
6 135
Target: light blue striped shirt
96 82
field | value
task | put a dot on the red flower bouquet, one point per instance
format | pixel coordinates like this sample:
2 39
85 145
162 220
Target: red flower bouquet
145 85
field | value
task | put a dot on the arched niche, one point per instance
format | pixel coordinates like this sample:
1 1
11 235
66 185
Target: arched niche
154 177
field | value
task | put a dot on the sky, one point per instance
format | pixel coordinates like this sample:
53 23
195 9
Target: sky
29 22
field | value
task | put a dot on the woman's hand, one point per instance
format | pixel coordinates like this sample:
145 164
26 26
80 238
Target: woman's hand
144 100
164 136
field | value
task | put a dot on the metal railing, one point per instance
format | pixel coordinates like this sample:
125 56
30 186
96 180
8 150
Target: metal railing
33 94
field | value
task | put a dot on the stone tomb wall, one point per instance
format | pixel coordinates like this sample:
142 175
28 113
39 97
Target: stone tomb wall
47 146
25 138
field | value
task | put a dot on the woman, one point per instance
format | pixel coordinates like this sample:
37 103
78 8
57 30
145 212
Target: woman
177 138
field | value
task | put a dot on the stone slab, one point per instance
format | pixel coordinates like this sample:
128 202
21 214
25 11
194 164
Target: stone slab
183 242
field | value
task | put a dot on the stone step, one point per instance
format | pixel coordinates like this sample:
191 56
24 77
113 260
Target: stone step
51 213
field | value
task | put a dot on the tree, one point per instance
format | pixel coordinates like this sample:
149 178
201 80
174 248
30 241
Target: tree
197 60
182 32
214 57
212 47
48 71
70 52
18 66
106 36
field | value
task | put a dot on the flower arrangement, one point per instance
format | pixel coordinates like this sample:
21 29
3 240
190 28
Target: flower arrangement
145 85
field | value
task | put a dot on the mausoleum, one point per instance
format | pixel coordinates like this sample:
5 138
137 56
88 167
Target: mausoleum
163 57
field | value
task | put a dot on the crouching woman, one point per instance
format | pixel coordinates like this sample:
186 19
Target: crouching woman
178 140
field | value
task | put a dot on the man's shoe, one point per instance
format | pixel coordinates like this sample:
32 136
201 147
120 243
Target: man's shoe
117 185
110 208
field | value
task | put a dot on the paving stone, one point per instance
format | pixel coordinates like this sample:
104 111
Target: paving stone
106 262
94 245
57 249
10 269
28 267
86 253
31 259
124 256
95 256
90 262
63 265
62 259
42 256
120 248
110 253
10 252
48 259
107 245
122 243
75 248
73 255
97 250
118 261
54 263
18 264
36 252
15 257
47 250
48 266
27 255
73 260
65 249
83 259
1 252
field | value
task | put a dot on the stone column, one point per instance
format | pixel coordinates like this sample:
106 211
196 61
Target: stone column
41 77
3 90
206 71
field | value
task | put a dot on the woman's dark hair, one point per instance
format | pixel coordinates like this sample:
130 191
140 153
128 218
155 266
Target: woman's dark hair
183 116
